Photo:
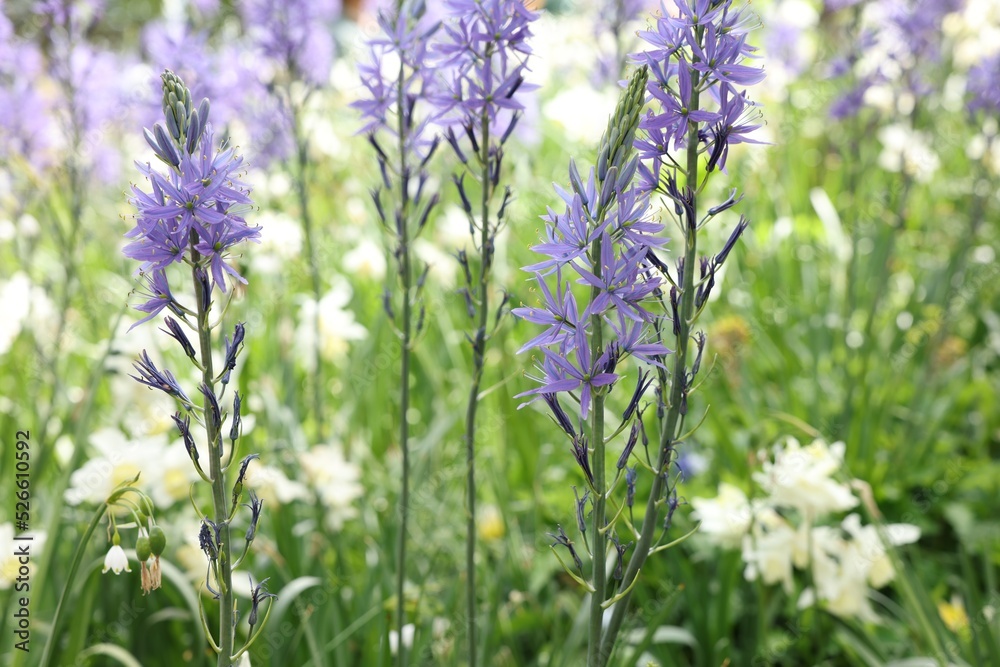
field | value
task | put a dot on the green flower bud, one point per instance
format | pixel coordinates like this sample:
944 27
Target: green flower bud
157 540
142 548
146 505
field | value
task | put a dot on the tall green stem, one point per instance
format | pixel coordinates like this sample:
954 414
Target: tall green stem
74 566
302 191
672 418
406 278
220 505
478 361
599 570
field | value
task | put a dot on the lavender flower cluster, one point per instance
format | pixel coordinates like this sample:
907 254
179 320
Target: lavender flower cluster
192 213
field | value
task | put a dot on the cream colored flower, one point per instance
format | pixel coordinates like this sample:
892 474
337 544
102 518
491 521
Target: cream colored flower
801 478
337 326
336 480
272 485
726 518
367 260
772 548
11 567
118 459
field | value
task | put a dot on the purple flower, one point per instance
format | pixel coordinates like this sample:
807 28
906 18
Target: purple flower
404 39
295 34
559 313
158 297
561 373
482 58
705 49
193 212
981 86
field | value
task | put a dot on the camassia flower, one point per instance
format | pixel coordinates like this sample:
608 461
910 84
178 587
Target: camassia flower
192 213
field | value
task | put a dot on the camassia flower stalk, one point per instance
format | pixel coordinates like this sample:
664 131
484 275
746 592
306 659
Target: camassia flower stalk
604 240
399 129
697 61
484 55
192 216
294 37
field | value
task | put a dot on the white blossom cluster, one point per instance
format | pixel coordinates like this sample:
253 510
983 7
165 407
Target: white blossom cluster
793 530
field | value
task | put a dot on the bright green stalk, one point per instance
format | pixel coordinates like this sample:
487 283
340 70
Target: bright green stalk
220 503
74 566
615 151
478 361
406 278
673 418
302 191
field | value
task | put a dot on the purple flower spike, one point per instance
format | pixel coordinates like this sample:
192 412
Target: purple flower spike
192 213
482 59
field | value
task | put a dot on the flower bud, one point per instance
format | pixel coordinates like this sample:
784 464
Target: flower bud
142 549
157 540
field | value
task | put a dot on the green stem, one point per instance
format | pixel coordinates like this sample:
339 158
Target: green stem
70 579
478 360
406 278
302 191
595 657
672 418
220 503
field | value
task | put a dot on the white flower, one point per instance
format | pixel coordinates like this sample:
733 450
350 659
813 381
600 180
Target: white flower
908 151
581 110
337 326
118 459
868 554
726 518
408 631
367 259
336 480
26 306
272 485
772 548
801 479
281 242
116 560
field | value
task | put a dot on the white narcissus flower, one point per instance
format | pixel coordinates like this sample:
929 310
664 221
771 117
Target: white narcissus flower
281 244
772 548
801 478
726 518
116 560
367 260
337 326
336 480
118 459
272 485
869 555
10 564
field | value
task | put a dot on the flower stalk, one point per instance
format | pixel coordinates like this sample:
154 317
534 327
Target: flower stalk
483 57
394 117
192 217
